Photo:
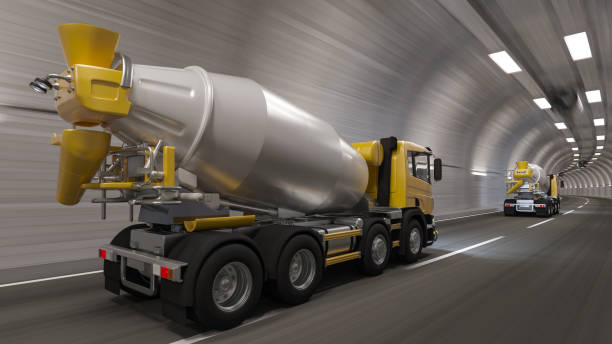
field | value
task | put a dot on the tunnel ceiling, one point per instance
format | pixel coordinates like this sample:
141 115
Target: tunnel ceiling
533 32
414 69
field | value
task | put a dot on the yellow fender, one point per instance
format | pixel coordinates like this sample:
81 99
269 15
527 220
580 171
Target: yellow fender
219 222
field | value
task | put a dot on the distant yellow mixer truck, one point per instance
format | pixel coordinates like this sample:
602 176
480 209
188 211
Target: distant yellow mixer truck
534 191
236 186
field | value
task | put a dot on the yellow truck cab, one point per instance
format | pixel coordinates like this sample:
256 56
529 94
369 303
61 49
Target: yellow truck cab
400 178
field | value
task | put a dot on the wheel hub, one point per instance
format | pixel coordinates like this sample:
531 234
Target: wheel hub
232 286
415 240
379 249
302 269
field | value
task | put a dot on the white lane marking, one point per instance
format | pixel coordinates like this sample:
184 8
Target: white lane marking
50 278
539 223
569 212
463 217
211 334
444 256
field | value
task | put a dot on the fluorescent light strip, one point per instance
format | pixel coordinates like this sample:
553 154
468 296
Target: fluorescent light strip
597 154
560 125
599 147
574 148
476 173
578 46
593 96
601 137
598 122
570 139
542 103
576 154
505 62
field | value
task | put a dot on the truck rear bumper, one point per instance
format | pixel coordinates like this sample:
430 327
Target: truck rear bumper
525 208
521 208
162 267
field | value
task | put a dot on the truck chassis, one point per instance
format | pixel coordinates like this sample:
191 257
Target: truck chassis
541 207
216 277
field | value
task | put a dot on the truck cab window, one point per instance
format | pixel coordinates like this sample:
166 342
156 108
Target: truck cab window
420 165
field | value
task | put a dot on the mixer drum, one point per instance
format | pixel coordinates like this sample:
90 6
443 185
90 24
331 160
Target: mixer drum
538 176
243 141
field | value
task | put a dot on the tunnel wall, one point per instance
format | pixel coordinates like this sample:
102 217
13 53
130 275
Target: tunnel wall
370 68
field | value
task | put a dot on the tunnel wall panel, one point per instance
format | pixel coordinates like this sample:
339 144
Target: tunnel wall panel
372 69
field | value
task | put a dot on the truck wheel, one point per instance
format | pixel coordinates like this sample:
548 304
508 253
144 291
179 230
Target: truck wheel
228 287
300 268
543 212
375 251
411 233
509 211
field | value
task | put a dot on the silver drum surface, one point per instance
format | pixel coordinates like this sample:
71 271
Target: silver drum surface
243 141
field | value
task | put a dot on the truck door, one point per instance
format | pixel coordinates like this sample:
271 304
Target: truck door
418 184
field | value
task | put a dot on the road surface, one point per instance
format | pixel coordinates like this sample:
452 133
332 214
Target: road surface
489 279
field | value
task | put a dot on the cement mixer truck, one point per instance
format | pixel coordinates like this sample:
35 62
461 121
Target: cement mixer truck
534 191
235 186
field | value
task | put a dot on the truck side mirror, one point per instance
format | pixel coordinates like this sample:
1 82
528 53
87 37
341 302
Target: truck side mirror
437 169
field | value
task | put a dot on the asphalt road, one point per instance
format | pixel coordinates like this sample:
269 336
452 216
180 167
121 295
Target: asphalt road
549 283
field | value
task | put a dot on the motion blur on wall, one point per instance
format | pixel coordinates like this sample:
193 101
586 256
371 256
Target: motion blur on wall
370 68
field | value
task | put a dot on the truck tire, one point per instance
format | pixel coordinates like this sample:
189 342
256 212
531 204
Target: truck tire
546 212
228 287
375 251
509 211
300 268
412 234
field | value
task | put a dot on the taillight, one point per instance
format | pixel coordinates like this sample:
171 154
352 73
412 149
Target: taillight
166 273
508 204
102 253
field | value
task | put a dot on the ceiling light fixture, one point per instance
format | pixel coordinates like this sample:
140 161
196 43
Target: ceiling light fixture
476 173
599 122
601 137
570 139
576 154
598 154
560 125
599 147
542 103
505 62
578 46
574 148
593 96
